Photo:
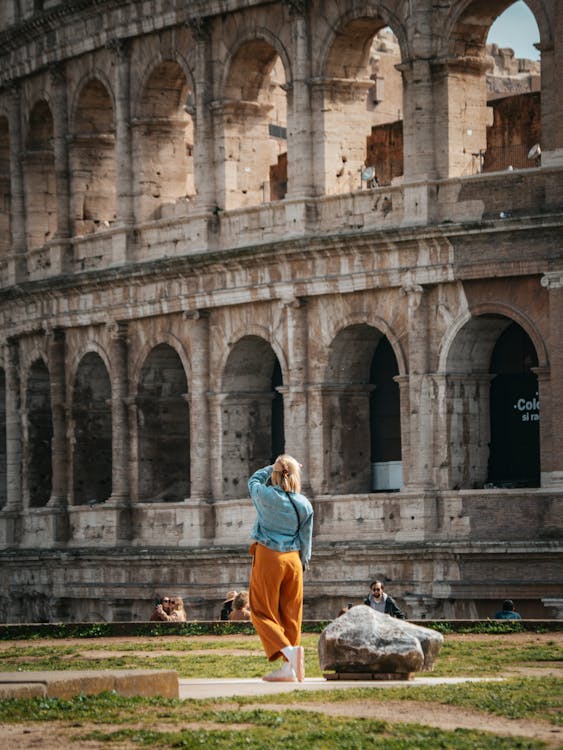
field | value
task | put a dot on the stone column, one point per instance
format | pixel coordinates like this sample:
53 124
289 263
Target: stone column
61 255
204 153
315 433
420 391
198 390
404 402
546 449
122 244
216 443
56 350
13 428
300 121
120 494
17 267
295 392
554 284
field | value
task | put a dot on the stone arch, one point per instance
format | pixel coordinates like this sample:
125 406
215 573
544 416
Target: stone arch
163 427
39 175
164 137
470 392
251 412
162 337
254 120
92 156
488 136
91 431
468 23
38 434
5 186
362 433
359 92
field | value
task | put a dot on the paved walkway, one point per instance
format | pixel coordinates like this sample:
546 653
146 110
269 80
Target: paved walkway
151 682
227 688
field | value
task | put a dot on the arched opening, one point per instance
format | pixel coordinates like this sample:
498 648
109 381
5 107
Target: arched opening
92 157
255 127
494 116
252 413
362 427
491 348
164 138
39 174
163 424
39 435
3 455
5 189
361 98
514 459
91 417
385 419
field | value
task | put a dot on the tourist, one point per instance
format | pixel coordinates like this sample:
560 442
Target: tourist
161 610
177 611
282 532
241 609
382 602
507 612
227 607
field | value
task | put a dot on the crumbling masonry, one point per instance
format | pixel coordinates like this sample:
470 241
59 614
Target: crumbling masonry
232 228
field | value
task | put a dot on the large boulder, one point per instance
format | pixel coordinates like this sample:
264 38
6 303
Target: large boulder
365 641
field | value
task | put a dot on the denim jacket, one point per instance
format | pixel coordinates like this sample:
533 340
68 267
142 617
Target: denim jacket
276 520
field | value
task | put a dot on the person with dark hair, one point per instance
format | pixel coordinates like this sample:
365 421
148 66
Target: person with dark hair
161 610
507 612
283 532
227 607
382 602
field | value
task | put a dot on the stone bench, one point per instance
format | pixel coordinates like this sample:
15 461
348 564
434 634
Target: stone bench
68 684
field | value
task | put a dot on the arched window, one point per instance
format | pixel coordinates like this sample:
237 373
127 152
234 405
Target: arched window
39 435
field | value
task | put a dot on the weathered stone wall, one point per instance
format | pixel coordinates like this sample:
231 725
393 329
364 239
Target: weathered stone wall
167 327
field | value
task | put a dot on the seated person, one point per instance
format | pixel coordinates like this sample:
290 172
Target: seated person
227 607
241 610
177 611
382 602
161 610
507 612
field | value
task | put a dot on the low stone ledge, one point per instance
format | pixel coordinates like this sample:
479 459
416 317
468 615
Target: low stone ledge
65 685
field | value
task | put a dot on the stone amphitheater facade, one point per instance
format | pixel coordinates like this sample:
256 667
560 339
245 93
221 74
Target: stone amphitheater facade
199 270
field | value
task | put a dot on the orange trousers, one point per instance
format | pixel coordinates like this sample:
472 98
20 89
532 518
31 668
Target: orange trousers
276 598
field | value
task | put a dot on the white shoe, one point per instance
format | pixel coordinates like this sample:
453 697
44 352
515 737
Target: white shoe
285 673
297 661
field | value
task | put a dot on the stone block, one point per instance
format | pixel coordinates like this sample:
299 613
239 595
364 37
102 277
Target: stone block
364 641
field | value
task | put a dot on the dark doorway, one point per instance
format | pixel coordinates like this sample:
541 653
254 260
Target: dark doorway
385 419
40 436
514 459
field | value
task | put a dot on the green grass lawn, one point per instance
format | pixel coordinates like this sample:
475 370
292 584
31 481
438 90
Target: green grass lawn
109 720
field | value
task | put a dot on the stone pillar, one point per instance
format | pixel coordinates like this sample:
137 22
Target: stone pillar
546 448
315 433
198 390
295 392
122 243
56 349
120 494
13 428
421 424
552 97
216 444
61 254
300 121
554 284
204 152
17 267
403 382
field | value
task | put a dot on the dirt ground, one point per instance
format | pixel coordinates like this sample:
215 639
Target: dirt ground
47 736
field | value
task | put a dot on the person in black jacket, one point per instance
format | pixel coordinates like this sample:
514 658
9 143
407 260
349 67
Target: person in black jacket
382 602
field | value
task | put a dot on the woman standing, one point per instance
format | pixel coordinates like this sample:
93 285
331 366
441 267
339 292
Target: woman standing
282 532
